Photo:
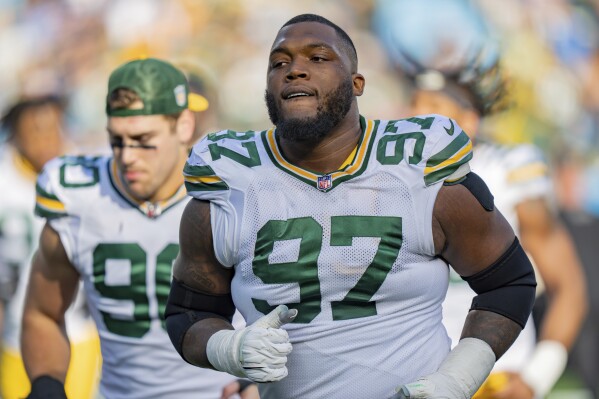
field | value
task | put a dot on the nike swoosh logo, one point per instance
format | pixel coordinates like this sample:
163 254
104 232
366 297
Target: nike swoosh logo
450 130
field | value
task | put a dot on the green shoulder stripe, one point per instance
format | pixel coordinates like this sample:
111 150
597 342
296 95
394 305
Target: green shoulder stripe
195 170
191 187
442 164
43 193
47 204
442 174
44 212
202 178
458 143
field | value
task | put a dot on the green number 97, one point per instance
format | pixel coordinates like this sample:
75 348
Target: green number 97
357 302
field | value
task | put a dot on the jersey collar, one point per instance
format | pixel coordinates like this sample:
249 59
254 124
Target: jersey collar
23 166
352 167
150 209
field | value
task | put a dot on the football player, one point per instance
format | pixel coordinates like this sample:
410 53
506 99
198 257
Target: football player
332 234
112 222
34 127
518 176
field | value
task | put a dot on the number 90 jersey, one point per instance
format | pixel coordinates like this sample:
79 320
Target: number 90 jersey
123 253
351 250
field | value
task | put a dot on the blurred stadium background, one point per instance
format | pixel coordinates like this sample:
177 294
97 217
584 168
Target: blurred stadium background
550 52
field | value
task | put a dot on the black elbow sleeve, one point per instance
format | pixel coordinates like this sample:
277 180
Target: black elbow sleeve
186 306
507 287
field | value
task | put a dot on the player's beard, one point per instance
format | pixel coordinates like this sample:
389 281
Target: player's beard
329 113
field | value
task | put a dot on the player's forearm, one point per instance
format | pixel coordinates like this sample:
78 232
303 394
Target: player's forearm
496 330
564 317
196 340
566 291
45 347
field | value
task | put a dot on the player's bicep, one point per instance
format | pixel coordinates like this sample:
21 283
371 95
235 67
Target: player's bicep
53 281
196 265
467 235
481 246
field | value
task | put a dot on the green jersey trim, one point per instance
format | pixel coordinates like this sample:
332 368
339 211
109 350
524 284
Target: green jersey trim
202 178
442 164
353 169
48 205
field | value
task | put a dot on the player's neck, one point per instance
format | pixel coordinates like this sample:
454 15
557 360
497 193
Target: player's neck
330 153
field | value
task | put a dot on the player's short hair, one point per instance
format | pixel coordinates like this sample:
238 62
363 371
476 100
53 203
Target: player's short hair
122 98
347 41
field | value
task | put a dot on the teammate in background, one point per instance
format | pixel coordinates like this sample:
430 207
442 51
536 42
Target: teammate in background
518 177
341 228
33 128
112 222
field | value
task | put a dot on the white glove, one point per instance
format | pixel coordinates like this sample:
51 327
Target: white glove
460 375
258 352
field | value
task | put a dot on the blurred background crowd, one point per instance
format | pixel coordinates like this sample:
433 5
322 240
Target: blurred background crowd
550 52
61 52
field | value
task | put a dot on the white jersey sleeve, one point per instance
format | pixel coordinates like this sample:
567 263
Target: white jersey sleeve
53 201
225 189
514 174
527 174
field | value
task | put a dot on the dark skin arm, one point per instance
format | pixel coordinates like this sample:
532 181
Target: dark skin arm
552 250
53 284
197 268
471 239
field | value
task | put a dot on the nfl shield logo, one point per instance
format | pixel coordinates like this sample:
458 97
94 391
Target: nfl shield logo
324 182
180 95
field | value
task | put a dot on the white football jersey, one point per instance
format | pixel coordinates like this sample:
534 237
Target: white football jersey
19 234
124 252
513 174
351 250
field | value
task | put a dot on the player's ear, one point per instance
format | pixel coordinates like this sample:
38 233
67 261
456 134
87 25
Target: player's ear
358 82
185 126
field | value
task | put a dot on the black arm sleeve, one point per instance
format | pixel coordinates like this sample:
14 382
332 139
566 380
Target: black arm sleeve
187 306
507 287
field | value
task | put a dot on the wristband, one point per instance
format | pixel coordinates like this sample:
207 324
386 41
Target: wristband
546 365
47 387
